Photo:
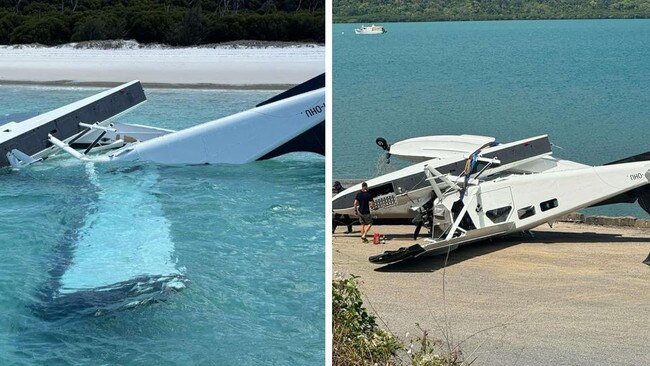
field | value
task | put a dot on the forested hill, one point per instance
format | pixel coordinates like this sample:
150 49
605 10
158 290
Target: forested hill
431 10
173 22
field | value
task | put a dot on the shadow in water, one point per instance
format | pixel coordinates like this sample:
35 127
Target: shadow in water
473 250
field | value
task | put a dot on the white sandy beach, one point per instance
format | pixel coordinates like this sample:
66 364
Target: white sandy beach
219 66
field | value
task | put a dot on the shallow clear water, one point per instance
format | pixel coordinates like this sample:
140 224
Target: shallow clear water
586 83
249 238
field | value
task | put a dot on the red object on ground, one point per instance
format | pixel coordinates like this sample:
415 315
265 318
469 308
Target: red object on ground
375 238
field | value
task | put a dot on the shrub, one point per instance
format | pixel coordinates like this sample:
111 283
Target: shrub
90 29
193 27
428 352
357 340
151 26
7 25
46 30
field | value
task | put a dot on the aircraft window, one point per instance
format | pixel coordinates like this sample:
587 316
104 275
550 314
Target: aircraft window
547 205
526 212
499 214
382 189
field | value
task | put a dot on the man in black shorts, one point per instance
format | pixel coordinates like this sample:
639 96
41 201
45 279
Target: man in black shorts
362 204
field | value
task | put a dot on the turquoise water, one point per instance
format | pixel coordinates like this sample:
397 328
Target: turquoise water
249 239
586 83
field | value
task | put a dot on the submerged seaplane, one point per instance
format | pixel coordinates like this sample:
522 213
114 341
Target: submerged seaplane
88 130
468 188
103 262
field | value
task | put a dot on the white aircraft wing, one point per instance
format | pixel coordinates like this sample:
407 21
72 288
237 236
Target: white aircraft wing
438 147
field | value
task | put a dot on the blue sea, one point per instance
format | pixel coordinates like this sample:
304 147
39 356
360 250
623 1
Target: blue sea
248 239
585 83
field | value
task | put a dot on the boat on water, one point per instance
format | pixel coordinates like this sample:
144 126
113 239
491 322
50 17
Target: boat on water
370 29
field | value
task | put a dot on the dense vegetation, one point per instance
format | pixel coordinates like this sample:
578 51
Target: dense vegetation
173 22
432 10
358 340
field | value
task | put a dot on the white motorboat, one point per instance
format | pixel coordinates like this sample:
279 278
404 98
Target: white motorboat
370 29
468 188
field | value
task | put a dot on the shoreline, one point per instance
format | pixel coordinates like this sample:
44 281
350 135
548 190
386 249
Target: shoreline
127 44
147 85
354 21
224 67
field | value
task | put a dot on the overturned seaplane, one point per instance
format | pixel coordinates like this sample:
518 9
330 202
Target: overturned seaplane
104 262
468 188
87 130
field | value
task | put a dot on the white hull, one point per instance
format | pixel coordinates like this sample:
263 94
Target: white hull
356 31
236 139
370 29
529 193
291 121
470 188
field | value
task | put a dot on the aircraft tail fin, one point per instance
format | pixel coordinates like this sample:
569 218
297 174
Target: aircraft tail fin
640 195
309 85
312 140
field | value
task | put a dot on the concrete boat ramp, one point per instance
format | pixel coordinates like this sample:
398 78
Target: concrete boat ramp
574 294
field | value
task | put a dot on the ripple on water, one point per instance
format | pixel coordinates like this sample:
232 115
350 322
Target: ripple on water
250 239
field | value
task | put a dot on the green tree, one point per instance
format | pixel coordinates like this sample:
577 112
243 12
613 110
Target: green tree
8 23
90 29
46 30
151 27
193 28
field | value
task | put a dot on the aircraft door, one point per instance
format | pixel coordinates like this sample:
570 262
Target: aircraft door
495 206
